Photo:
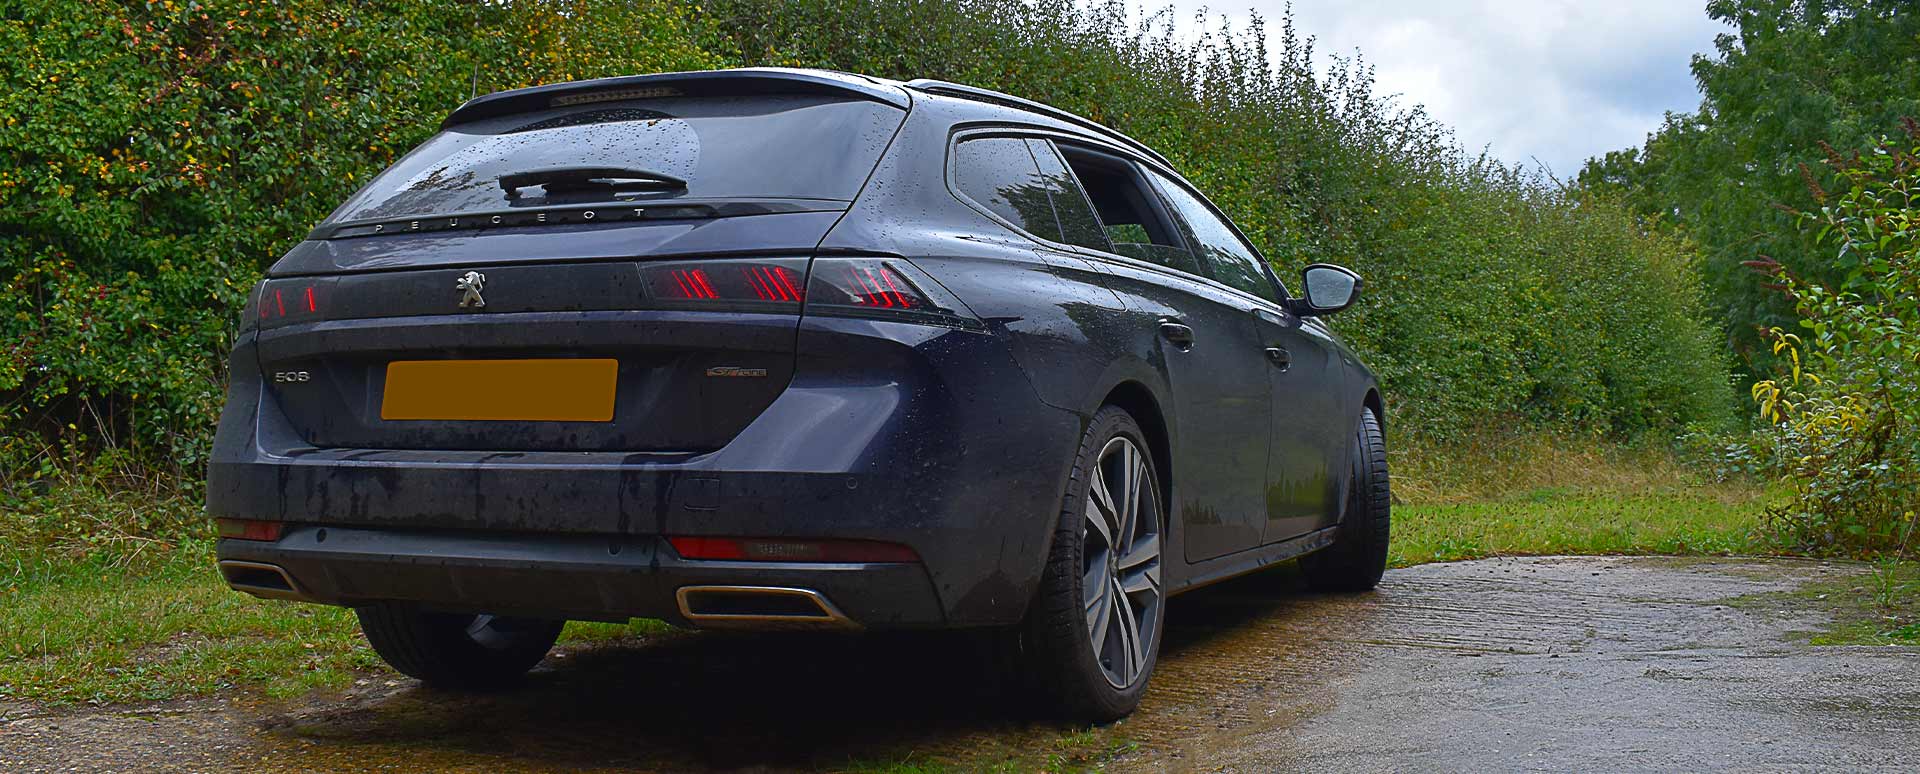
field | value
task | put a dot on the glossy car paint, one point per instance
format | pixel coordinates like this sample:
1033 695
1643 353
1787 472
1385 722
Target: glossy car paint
952 439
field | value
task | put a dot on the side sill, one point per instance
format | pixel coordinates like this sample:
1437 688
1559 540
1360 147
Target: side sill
1252 560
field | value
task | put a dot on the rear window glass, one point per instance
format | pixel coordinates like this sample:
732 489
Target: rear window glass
762 147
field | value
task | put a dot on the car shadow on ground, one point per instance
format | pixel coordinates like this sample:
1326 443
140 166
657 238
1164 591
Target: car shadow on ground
729 700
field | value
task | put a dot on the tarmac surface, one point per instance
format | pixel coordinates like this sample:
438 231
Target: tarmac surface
1614 664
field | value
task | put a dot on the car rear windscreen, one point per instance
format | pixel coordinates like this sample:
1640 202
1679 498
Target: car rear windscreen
668 149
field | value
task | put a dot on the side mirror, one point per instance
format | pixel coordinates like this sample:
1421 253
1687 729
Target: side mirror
1329 288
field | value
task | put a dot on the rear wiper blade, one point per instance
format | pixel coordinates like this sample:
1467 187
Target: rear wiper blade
559 178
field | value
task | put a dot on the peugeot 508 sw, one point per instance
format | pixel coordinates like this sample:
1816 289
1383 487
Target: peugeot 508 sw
779 348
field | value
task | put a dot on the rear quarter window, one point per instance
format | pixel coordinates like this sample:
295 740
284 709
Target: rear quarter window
999 173
769 147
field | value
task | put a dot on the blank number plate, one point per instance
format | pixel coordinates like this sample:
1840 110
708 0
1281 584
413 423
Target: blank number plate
554 390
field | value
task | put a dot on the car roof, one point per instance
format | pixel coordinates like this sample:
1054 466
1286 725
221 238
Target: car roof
776 80
749 80
1081 123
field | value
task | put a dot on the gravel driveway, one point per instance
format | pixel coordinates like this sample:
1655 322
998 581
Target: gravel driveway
1556 663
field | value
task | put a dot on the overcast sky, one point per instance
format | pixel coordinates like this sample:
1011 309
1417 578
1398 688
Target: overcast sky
1557 80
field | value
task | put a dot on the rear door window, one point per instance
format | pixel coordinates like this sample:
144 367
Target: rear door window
1229 259
1078 224
764 147
1130 213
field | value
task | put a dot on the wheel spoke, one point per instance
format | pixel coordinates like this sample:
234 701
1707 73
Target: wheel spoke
1100 510
1094 586
1129 636
1097 524
1099 620
1127 500
1143 581
1147 549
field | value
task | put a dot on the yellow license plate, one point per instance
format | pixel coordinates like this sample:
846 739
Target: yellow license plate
501 390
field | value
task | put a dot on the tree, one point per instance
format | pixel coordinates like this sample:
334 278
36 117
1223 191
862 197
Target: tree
1792 76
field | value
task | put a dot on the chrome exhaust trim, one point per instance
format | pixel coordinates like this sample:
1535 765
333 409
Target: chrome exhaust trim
778 608
266 581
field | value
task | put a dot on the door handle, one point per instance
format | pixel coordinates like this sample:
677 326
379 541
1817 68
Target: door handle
1280 357
1180 335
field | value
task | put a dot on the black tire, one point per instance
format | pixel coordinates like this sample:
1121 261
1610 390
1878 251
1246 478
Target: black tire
1358 556
456 652
1056 640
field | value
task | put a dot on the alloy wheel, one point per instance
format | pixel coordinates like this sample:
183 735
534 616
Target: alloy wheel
1121 589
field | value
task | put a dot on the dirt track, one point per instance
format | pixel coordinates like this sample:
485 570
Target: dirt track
1613 664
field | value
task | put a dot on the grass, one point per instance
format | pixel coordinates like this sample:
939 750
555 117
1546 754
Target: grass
1542 495
123 616
1881 609
91 632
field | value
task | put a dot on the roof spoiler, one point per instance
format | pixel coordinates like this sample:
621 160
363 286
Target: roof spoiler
738 82
963 91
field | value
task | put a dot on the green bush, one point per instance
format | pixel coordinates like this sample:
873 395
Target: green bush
1490 294
155 157
1843 418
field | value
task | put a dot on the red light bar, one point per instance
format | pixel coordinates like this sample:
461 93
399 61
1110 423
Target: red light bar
248 529
287 301
790 550
777 281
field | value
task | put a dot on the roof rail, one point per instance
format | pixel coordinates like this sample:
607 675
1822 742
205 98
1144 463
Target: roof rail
963 91
751 80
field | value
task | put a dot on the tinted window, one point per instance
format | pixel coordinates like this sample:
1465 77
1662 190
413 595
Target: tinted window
1078 225
789 146
1228 258
1129 212
999 173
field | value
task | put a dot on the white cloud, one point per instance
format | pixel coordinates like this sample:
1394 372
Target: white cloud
1556 80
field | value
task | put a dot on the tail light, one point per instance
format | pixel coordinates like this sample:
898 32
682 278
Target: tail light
774 285
288 301
885 288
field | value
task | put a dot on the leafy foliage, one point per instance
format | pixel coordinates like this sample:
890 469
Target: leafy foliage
1792 75
1844 414
1490 293
156 156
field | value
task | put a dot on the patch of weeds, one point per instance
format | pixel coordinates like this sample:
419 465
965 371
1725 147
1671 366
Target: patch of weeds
1880 609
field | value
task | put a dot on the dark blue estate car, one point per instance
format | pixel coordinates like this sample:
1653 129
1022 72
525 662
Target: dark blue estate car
777 348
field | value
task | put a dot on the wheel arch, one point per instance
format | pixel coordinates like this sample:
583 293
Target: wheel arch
1138 401
1378 406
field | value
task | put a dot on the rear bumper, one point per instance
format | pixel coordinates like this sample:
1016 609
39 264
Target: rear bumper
925 437
572 577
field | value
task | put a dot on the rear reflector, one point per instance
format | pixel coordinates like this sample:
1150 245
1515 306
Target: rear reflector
790 550
247 529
